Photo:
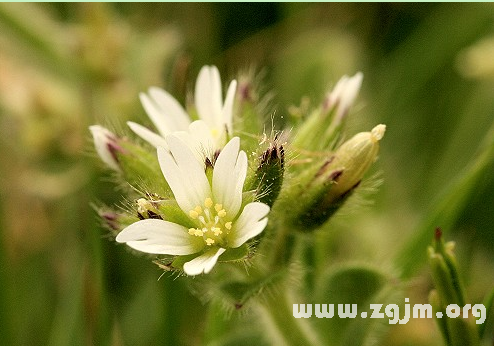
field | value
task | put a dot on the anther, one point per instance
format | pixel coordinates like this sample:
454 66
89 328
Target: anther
216 230
222 213
209 241
208 203
193 214
228 225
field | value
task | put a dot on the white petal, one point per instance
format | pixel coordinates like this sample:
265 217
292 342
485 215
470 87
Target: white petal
208 96
176 116
193 145
216 96
184 174
250 223
159 237
240 172
155 114
199 140
228 105
229 175
201 132
148 135
348 94
335 95
103 138
203 263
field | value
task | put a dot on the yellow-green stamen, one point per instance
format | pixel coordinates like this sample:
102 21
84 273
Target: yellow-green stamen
211 223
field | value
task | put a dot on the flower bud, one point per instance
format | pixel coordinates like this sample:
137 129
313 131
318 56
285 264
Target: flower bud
353 159
269 174
115 221
445 271
321 192
137 165
106 144
320 129
342 96
449 290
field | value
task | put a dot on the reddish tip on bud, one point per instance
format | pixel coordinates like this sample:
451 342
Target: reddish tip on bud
438 234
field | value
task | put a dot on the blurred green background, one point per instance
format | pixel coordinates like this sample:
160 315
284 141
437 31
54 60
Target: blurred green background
428 75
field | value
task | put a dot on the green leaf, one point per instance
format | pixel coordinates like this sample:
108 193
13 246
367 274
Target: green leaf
352 284
447 208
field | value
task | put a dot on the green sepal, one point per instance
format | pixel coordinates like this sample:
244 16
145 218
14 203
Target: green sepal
321 210
179 261
171 211
228 256
452 264
442 279
247 122
268 177
306 204
234 254
141 169
449 290
445 271
316 132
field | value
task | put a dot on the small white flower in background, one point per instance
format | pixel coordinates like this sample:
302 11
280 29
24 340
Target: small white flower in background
343 95
169 116
213 208
106 145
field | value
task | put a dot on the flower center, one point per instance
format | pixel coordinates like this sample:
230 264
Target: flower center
211 221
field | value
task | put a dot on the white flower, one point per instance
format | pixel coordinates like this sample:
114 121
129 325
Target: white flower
343 95
106 145
212 207
169 116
